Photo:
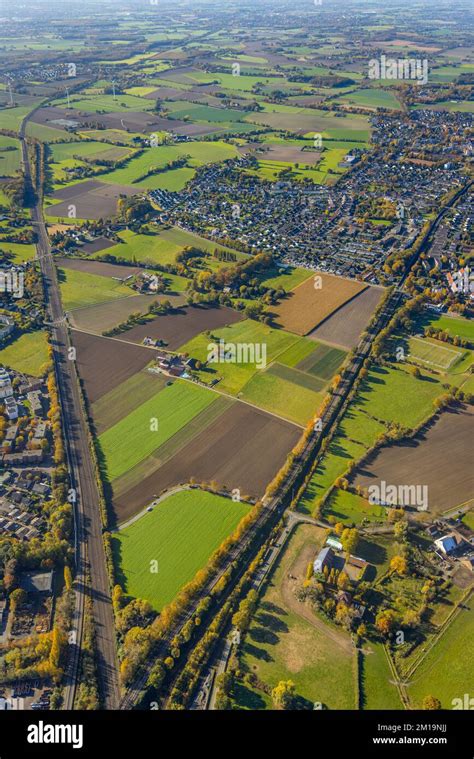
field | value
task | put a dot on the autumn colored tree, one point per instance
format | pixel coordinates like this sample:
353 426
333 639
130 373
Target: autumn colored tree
283 695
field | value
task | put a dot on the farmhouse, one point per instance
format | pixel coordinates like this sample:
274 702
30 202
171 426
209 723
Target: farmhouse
447 544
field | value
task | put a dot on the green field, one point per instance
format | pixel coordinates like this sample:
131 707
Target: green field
323 362
283 645
82 289
352 509
19 252
27 354
236 375
134 438
371 98
447 672
452 325
199 153
278 395
162 247
9 156
180 534
432 353
378 690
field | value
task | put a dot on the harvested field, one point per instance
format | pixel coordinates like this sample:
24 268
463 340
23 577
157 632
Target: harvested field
285 153
100 243
345 326
134 121
243 449
104 316
177 328
314 301
117 271
103 363
440 458
91 199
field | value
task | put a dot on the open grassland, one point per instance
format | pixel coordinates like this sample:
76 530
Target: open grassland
28 353
371 98
454 326
350 508
137 435
9 156
323 361
281 396
18 252
288 279
180 535
377 687
446 672
287 641
313 301
161 248
81 289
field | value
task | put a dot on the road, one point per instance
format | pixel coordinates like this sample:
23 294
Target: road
90 556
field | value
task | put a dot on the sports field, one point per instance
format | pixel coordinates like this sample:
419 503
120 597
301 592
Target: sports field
433 353
180 534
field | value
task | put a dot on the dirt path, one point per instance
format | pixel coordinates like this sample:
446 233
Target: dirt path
288 585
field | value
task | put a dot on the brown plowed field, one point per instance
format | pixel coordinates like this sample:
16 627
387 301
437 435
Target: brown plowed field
308 305
104 316
345 326
91 199
176 329
243 448
103 363
98 267
440 458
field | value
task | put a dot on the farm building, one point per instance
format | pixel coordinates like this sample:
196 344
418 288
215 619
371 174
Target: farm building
446 544
324 558
37 582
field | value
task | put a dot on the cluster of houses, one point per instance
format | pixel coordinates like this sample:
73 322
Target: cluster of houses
7 326
23 398
315 225
22 495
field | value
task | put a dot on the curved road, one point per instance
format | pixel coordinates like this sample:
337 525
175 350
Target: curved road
90 556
